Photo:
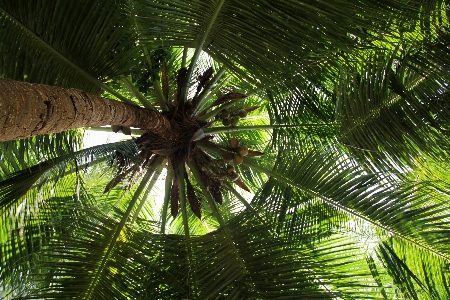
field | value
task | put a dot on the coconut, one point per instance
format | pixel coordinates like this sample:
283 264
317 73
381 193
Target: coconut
226 122
242 113
115 128
234 121
234 143
126 130
238 159
220 162
243 150
230 169
225 114
228 157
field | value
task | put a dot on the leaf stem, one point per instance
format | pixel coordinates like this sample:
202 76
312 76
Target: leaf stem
200 100
156 85
117 231
207 194
199 49
136 132
168 185
135 92
82 72
156 169
182 193
84 166
215 130
215 89
239 197
159 95
211 148
184 57
215 210
214 112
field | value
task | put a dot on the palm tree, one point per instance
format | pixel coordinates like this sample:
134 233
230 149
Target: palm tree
48 109
342 145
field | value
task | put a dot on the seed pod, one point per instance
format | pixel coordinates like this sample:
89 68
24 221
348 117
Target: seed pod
225 114
234 143
230 169
228 157
242 113
226 122
234 176
115 128
238 159
220 163
243 150
126 130
234 120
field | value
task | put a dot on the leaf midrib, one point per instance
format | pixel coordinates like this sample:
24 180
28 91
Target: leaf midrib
60 56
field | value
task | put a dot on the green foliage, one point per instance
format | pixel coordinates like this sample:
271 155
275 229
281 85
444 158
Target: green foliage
17 155
355 209
70 45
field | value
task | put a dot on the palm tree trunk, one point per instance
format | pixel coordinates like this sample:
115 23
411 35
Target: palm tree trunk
31 109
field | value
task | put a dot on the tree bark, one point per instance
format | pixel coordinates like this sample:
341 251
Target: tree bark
31 109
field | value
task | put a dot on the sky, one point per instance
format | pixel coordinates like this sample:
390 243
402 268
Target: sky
94 138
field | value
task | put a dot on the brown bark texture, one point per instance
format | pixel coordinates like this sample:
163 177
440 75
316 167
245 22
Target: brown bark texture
31 109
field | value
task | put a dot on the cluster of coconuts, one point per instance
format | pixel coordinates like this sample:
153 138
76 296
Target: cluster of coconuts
237 158
241 150
231 118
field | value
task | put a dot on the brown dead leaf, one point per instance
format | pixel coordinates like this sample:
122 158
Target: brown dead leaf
252 153
251 108
241 184
192 198
174 197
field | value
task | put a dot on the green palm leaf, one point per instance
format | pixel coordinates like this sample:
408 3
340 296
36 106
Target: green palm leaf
78 44
19 183
387 119
354 205
18 155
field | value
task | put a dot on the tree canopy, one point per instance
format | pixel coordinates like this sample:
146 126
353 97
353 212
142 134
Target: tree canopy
307 155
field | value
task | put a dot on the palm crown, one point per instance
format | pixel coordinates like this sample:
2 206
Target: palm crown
333 115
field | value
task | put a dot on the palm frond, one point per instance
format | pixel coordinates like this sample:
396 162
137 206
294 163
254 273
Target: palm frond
69 262
21 154
385 117
18 184
336 181
66 45
357 209
291 30
326 271
419 277
30 227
